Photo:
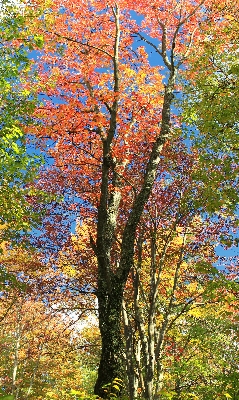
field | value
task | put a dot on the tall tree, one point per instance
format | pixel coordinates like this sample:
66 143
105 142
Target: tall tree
108 122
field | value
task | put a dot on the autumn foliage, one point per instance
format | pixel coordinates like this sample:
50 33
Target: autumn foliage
135 118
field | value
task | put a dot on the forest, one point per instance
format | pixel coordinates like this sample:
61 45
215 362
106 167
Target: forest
119 167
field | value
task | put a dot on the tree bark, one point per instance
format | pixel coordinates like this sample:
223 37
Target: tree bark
112 362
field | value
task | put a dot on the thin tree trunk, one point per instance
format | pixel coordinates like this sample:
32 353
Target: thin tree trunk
132 355
18 334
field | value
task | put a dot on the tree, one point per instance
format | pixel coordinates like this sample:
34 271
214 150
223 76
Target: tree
38 353
170 322
109 120
18 168
211 104
40 337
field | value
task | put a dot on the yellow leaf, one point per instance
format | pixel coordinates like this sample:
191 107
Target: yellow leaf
230 18
228 396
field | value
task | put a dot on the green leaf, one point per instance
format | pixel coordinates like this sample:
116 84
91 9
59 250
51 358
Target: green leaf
76 392
39 40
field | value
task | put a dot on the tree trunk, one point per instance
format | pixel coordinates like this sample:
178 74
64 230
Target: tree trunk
111 281
132 354
112 362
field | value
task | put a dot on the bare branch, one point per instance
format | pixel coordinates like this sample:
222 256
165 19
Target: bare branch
82 43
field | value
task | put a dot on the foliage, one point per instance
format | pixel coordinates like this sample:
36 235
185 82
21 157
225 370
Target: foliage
179 331
149 169
210 107
39 357
18 168
112 391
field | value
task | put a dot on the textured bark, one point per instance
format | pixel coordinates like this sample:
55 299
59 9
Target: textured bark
110 288
112 363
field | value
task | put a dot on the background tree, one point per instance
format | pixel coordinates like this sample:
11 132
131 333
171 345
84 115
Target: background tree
18 168
40 336
38 354
211 105
169 312
108 122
